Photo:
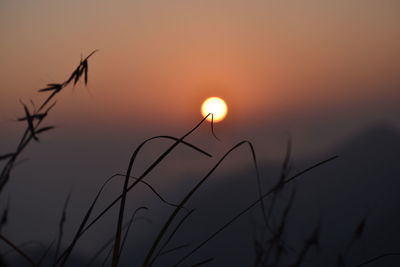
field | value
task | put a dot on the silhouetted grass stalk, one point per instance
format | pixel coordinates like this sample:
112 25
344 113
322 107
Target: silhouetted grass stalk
83 227
116 252
254 203
149 261
35 118
18 250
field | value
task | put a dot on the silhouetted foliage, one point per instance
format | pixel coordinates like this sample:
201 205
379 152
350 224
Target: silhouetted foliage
269 243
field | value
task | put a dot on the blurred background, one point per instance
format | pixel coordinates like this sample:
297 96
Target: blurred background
323 73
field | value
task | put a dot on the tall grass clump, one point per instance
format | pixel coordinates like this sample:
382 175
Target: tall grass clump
269 244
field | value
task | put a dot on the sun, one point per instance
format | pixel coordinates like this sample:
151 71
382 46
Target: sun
216 106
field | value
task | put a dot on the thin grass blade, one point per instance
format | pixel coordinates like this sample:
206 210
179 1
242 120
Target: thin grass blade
250 206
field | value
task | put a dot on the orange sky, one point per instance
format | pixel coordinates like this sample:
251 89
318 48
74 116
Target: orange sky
316 70
272 61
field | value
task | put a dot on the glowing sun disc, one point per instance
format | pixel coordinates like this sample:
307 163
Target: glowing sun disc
216 106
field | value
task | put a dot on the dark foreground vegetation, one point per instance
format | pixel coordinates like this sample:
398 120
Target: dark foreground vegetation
270 242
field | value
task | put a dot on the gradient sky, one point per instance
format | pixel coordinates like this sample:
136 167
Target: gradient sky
269 59
318 70
312 69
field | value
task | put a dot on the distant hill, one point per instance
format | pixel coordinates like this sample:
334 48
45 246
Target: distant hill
363 183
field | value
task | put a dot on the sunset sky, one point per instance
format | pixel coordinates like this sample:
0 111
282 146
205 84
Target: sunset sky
274 62
319 71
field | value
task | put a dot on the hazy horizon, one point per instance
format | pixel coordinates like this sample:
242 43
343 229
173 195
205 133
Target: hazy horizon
279 66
